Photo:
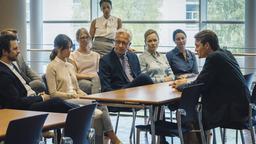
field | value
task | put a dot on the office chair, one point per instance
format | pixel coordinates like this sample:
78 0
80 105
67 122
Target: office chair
78 124
45 83
189 111
248 80
26 130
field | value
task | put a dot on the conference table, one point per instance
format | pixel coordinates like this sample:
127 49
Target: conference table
142 96
53 121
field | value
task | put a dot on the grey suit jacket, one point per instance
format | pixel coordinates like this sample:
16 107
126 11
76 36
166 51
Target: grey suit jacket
26 72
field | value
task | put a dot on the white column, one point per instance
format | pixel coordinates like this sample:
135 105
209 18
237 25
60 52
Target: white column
13 15
250 34
36 33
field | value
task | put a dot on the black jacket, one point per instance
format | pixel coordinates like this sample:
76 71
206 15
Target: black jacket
111 73
225 96
13 94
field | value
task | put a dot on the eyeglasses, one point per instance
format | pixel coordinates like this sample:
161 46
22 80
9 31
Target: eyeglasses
117 42
84 38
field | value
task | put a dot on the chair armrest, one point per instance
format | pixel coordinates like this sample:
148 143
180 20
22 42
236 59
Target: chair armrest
181 112
91 136
253 106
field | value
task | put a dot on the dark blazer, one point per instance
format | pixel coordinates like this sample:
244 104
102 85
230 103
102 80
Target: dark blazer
26 72
225 96
111 73
12 92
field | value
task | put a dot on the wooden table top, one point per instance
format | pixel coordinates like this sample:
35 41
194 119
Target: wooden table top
53 121
155 94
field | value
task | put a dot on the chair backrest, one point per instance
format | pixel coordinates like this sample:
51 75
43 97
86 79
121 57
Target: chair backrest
188 103
25 130
248 80
253 97
45 83
78 123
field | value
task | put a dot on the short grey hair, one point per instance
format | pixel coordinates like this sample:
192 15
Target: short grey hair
124 30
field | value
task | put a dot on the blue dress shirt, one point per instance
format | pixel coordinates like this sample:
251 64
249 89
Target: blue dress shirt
179 64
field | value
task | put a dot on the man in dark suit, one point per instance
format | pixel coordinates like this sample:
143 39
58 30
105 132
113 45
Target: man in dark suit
225 96
33 79
120 68
14 91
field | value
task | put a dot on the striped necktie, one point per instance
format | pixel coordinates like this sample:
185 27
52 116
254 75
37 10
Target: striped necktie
126 67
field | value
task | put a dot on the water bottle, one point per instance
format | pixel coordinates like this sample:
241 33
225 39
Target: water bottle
66 140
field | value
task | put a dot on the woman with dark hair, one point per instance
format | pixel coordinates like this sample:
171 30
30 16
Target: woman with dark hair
181 60
62 83
103 29
60 75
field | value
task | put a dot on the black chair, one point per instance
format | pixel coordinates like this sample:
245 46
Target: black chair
189 112
45 83
248 80
25 130
252 118
78 124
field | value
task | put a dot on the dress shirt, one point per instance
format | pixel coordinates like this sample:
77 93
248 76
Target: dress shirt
179 64
154 65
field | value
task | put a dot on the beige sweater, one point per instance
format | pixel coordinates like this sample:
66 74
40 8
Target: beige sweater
61 79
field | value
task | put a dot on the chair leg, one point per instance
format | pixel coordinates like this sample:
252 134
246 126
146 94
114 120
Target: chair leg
214 141
57 136
132 132
171 121
137 136
236 136
145 116
222 134
252 135
117 121
242 136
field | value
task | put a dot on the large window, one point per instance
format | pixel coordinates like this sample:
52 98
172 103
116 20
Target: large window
225 17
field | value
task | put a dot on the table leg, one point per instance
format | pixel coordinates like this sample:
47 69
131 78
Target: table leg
151 116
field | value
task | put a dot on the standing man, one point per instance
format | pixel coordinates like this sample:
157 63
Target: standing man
33 79
14 91
121 68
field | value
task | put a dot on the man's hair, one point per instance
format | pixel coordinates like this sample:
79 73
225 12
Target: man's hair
123 30
176 32
108 1
5 40
209 36
149 32
8 31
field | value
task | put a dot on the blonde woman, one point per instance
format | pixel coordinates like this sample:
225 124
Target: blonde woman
152 62
86 63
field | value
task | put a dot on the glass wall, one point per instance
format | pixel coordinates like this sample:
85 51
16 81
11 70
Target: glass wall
225 17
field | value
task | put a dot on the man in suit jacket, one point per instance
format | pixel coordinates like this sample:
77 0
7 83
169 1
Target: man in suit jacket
225 96
14 91
33 79
120 68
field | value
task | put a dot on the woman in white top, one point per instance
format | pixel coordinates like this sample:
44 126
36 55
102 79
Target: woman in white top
103 29
86 63
152 62
62 83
